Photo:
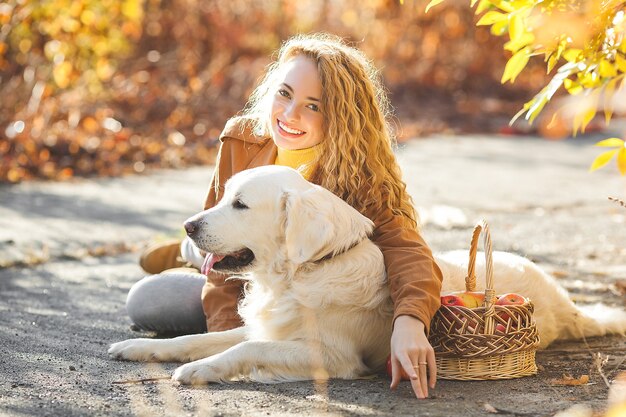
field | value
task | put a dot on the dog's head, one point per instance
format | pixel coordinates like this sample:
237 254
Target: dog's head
271 218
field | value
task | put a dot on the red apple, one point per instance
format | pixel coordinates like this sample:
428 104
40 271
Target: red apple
469 299
510 299
403 375
452 300
500 329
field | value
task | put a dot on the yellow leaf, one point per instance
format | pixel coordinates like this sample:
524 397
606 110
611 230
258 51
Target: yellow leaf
516 27
609 92
518 43
621 161
504 5
551 63
515 65
499 28
611 143
620 62
572 55
433 3
536 108
490 18
606 69
572 86
602 159
482 6
588 116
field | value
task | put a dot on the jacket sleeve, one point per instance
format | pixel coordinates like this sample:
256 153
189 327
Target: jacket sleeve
414 277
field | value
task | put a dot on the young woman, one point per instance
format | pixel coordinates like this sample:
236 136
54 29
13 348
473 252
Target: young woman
321 109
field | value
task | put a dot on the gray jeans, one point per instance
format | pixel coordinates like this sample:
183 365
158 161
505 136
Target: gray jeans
170 302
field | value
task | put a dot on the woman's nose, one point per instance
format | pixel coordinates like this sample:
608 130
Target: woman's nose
291 112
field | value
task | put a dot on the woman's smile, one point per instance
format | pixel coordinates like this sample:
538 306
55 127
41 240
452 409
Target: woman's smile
284 129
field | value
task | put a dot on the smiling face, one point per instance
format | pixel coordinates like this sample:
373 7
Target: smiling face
296 119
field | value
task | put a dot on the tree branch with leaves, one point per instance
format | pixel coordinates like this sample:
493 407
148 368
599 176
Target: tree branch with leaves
582 41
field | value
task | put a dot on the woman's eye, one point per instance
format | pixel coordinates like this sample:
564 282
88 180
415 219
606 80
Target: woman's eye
239 205
314 107
284 93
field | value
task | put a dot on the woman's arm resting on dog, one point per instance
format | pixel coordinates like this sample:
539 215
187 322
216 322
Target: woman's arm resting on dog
414 277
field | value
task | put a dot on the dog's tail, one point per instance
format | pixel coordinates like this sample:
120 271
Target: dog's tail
595 320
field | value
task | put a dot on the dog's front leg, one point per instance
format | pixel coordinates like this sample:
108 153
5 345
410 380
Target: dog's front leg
263 361
178 349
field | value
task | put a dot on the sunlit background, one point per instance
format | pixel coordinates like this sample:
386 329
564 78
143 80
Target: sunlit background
109 87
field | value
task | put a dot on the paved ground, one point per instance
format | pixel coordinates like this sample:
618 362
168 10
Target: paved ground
68 255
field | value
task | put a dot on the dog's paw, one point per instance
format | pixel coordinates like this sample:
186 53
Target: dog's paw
198 372
141 350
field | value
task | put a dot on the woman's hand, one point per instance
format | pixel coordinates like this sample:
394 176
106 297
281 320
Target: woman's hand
411 350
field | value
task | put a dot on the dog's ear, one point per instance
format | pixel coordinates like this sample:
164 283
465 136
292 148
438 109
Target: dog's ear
318 223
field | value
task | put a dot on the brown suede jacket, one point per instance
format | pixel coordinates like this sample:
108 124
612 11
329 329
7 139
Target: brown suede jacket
414 277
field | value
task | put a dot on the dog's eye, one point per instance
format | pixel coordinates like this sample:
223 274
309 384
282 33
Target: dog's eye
239 205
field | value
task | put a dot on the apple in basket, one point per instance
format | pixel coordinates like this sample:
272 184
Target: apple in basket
469 299
509 299
403 375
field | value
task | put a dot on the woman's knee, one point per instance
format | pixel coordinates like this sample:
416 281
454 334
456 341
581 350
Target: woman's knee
168 302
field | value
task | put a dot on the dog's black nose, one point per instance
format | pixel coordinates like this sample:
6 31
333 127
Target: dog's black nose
191 227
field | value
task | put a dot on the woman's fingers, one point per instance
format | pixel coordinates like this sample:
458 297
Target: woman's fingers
432 368
396 375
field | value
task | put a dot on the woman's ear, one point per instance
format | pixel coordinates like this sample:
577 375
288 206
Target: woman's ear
308 227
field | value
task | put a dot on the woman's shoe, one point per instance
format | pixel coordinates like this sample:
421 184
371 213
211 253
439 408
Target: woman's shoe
161 256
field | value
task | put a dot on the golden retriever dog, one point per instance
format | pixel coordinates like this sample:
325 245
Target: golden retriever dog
317 303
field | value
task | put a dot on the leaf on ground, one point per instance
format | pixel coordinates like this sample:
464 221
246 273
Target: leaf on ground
570 380
490 408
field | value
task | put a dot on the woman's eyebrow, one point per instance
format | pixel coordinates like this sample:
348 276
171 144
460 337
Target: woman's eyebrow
291 91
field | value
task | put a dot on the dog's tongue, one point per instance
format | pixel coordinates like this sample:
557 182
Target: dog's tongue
209 261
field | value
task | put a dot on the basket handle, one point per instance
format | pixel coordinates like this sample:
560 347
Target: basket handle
470 279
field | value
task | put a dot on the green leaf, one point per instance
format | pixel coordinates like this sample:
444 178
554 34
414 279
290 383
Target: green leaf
433 3
611 143
515 65
602 159
490 18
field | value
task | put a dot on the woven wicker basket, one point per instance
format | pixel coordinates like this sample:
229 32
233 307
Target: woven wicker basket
466 342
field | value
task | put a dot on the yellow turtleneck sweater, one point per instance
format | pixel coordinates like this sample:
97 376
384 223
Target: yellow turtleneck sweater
299 159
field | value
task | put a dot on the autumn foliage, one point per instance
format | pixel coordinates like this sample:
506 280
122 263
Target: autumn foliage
583 44
108 87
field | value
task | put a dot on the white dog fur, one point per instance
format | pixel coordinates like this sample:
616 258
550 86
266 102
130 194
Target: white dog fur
318 303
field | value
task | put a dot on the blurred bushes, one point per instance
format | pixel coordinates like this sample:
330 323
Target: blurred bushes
117 86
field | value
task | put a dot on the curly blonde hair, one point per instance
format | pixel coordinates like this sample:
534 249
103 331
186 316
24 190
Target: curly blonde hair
355 160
